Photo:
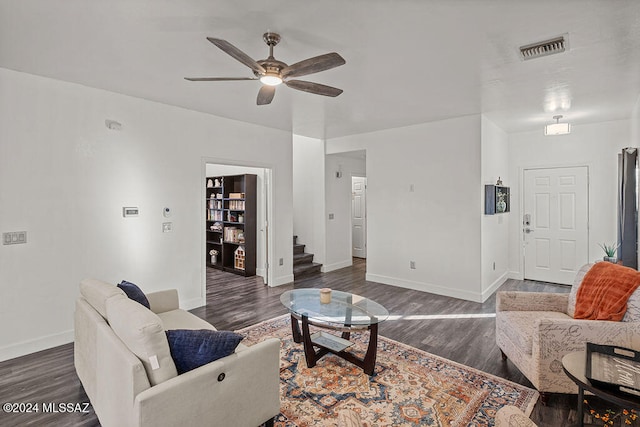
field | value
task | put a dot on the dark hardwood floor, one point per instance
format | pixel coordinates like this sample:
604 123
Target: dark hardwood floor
458 330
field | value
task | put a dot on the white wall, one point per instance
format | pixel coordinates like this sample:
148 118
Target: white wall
338 203
495 228
594 145
309 195
261 194
438 224
64 178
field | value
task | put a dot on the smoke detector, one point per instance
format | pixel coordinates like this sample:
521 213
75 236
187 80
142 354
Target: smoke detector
548 47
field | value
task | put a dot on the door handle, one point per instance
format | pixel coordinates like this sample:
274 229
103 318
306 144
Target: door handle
528 230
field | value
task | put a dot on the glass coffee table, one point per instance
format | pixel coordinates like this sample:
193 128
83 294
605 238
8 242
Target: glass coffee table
345 313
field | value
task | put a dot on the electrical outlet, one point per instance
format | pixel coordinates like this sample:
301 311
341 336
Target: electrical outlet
167 227
412 265
331 216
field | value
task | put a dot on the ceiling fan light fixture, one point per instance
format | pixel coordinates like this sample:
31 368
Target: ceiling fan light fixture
557 128
271 79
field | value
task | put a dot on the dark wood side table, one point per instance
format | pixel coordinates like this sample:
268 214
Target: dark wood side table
574 365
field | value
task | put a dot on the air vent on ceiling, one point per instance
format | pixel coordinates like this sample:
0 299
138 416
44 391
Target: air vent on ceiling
548 47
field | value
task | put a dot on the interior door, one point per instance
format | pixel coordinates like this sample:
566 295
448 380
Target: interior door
555 223
359 217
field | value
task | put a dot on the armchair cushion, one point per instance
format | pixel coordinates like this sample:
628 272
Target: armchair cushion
511 416
633 308
191 348
571 306
520 326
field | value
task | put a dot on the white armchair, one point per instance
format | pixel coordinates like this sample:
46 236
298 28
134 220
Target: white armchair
535 330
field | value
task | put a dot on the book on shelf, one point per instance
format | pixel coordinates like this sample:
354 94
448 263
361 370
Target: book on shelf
236 205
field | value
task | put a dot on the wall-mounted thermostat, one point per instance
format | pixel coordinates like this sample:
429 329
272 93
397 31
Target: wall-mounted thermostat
130 211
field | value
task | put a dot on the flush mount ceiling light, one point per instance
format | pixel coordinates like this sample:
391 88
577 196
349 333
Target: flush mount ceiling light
557 128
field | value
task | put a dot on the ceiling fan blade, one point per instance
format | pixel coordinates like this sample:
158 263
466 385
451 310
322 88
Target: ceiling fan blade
238 54
265 95
217 79
313 65
315 88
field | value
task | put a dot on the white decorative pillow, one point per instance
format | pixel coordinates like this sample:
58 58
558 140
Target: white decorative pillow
141 331
571 307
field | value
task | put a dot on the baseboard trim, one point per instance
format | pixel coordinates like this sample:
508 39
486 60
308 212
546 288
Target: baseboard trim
283 280
190 304
516 275
425 287
337 265
494 286
37 344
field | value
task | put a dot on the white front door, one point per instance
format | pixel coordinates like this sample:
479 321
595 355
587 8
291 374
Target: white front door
359 217
555 223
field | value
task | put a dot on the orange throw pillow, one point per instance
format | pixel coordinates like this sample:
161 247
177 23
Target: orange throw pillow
604 292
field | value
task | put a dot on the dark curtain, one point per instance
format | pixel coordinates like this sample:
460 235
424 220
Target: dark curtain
628 207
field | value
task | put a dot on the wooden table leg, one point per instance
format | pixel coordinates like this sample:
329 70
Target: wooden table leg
372 351
295 330
309 352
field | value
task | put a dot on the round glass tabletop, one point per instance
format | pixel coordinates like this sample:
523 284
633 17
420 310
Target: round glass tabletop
343 308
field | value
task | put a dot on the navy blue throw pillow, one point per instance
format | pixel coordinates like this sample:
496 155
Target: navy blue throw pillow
191 348
134 293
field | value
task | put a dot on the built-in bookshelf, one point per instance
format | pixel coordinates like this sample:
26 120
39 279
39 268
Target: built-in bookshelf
231 223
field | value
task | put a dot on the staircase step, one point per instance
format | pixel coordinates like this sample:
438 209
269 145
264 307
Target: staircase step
302 258
298 249
303 270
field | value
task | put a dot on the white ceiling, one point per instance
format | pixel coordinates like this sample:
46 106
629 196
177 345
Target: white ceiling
408 61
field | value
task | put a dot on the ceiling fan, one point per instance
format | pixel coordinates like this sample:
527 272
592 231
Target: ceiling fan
272 72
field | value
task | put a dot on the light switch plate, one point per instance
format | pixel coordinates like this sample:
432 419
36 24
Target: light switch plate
14 238
166 227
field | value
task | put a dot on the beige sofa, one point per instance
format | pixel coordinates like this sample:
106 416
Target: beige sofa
535 330
123 360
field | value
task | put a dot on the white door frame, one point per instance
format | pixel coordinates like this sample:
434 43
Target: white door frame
366 228
269 185
521 198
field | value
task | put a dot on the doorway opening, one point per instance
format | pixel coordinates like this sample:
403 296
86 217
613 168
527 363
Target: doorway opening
341 169
264 196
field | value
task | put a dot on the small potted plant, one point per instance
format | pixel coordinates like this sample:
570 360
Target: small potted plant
610 252
214 256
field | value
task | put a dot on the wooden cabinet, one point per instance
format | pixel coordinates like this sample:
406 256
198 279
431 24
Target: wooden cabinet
231 223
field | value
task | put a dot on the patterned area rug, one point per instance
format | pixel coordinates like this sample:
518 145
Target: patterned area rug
409 387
